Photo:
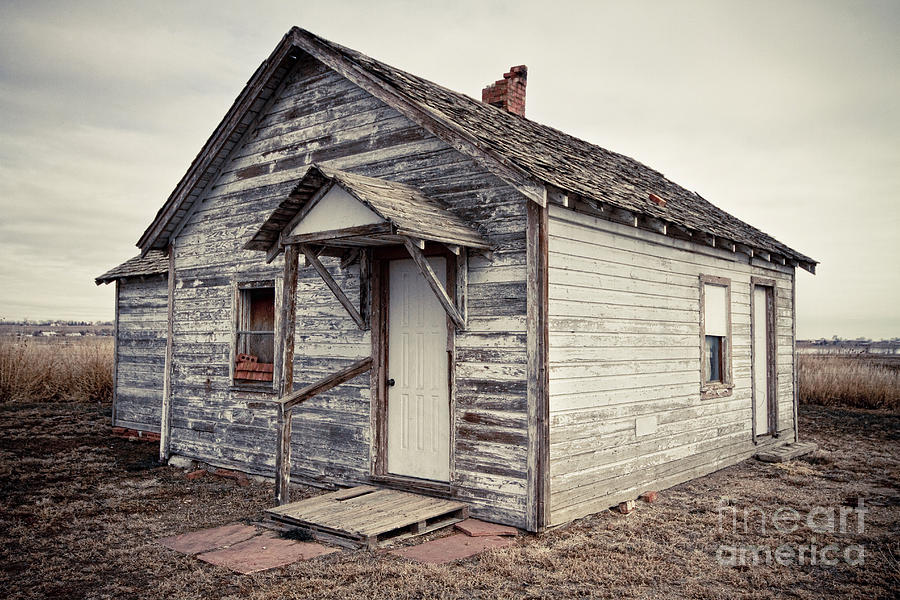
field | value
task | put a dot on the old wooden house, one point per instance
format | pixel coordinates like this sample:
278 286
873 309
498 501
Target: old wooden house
365 277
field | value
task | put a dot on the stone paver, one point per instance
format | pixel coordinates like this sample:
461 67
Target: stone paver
476 528
453 547
263 552
209 539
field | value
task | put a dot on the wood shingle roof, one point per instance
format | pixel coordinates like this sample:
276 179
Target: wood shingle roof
409 212
537 159
155 262
566 162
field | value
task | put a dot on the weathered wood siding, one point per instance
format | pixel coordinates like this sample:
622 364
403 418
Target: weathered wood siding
318 116
140 353
625 355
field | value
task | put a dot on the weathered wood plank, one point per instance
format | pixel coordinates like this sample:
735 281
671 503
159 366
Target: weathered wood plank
333 286
165 413
434 283
286 339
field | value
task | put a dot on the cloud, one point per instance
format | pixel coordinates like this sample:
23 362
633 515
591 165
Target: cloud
786 114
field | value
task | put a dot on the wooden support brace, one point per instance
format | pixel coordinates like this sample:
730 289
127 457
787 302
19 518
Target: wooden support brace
436 286
289 401
349 258
333 286
317 250
286 335
273 252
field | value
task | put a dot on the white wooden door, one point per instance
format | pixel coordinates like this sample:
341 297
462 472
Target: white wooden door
418 436
760 352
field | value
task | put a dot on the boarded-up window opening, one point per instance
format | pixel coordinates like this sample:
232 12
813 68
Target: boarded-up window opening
255 343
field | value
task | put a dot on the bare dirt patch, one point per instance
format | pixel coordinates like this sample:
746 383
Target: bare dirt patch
80 510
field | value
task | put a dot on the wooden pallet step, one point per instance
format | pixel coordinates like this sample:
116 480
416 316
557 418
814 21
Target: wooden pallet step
367 516
786 452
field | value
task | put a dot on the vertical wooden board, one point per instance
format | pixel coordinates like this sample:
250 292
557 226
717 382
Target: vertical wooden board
116 352
462 283
286 336
795 396
537 368
166 412
365 287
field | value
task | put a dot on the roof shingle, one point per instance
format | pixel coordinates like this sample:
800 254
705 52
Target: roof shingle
156 262
565 161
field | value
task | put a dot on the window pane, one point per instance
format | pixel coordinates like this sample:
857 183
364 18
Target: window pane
262 309
714 357
714 310
259 345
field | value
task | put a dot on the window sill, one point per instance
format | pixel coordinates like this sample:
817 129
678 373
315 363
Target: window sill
711 391
249 387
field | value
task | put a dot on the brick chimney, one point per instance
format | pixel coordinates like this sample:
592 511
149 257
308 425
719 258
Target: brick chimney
508 93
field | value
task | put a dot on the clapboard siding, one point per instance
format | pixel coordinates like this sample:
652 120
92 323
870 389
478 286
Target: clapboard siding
320 117
624 315
140 352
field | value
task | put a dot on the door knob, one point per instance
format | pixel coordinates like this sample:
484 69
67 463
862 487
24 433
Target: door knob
391 382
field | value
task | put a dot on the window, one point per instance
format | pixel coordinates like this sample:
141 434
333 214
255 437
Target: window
254 350
715 331
714 356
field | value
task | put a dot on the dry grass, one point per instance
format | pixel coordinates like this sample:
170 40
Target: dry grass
35 370
861 382
79 513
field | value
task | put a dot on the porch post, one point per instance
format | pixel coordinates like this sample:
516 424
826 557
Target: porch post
286 335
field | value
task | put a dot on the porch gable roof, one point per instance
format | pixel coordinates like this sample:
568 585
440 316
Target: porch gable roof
407 212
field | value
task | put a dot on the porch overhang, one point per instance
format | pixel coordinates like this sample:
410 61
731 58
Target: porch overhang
401 213
331 212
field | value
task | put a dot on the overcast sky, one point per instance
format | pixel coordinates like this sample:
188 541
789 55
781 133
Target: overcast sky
786 114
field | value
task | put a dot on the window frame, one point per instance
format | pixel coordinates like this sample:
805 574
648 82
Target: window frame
239 285
724 388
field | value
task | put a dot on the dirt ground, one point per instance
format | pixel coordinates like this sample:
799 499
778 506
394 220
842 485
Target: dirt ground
80 510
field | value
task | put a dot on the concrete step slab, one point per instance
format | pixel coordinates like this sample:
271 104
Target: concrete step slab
786 452
263 552
205 540
476 528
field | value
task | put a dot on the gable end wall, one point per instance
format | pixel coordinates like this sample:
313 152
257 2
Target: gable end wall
321 117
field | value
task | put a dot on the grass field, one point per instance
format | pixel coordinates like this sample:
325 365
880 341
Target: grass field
79 513
861 381
80 369
80 510
54 369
